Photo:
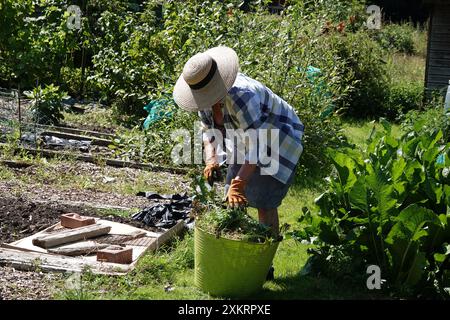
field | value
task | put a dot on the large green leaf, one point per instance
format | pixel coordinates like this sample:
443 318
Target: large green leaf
358 195
414 173
382 192
404 243
345 167
428 144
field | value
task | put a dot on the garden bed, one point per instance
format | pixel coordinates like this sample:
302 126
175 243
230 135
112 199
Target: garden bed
20 217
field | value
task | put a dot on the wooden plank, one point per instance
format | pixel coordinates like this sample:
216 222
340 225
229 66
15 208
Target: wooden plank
16 164
443 80
441 28
95 160
445 63
97 134
166 236
440 63
436 86
441 15
438 70
79 248
55 263
94 141
66 236
439 54
440 37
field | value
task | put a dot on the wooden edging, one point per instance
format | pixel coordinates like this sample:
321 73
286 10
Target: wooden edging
31 261
96 160
94 141
16 164
97 134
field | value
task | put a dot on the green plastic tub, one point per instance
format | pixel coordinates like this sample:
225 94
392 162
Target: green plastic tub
230 268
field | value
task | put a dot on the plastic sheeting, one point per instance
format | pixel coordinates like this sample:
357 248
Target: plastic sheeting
166 211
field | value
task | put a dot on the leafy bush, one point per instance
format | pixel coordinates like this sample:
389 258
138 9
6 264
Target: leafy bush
154 145
387 206
34 41
429 119
364 72
402 97
46 104
397 37
134 53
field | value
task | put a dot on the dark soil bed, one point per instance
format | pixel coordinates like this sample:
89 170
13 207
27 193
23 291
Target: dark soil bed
20 217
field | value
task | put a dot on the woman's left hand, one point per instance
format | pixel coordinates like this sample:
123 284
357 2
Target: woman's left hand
236 194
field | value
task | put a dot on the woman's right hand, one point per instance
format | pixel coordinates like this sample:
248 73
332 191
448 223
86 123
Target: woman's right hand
212 172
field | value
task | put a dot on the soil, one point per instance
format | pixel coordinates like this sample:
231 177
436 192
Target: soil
39 193
20 217
49 190
29 285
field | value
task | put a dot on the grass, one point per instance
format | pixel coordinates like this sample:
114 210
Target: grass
96 118
407 68
358 131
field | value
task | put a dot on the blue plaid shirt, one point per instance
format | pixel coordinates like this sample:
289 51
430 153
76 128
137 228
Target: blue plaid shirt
251 105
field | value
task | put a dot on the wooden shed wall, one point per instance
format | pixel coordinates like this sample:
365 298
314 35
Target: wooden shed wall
438 59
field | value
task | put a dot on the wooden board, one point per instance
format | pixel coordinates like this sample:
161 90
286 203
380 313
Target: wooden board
72 235
22 254
437 74
78 248
63 135
96 160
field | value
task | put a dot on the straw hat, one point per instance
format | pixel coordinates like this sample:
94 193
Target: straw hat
206 79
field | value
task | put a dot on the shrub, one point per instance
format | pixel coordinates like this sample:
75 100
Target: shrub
46 105
387 206
430 119
364 72
403 96
396 37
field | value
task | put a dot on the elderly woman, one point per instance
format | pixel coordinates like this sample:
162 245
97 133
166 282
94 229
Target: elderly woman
226 99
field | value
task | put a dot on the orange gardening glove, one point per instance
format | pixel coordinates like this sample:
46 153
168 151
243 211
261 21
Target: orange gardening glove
236 194
211 172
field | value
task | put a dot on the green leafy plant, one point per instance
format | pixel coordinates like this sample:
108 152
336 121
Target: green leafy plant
387 206
397 37
431 118
46 104
404 96
214 217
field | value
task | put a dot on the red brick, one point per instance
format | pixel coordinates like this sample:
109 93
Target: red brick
116 254
74 220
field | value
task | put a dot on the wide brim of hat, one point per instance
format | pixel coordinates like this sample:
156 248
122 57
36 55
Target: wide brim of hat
204 98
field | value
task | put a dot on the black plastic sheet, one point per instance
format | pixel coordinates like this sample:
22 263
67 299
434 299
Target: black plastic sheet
166 212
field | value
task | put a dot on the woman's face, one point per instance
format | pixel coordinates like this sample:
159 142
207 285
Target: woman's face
220 103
